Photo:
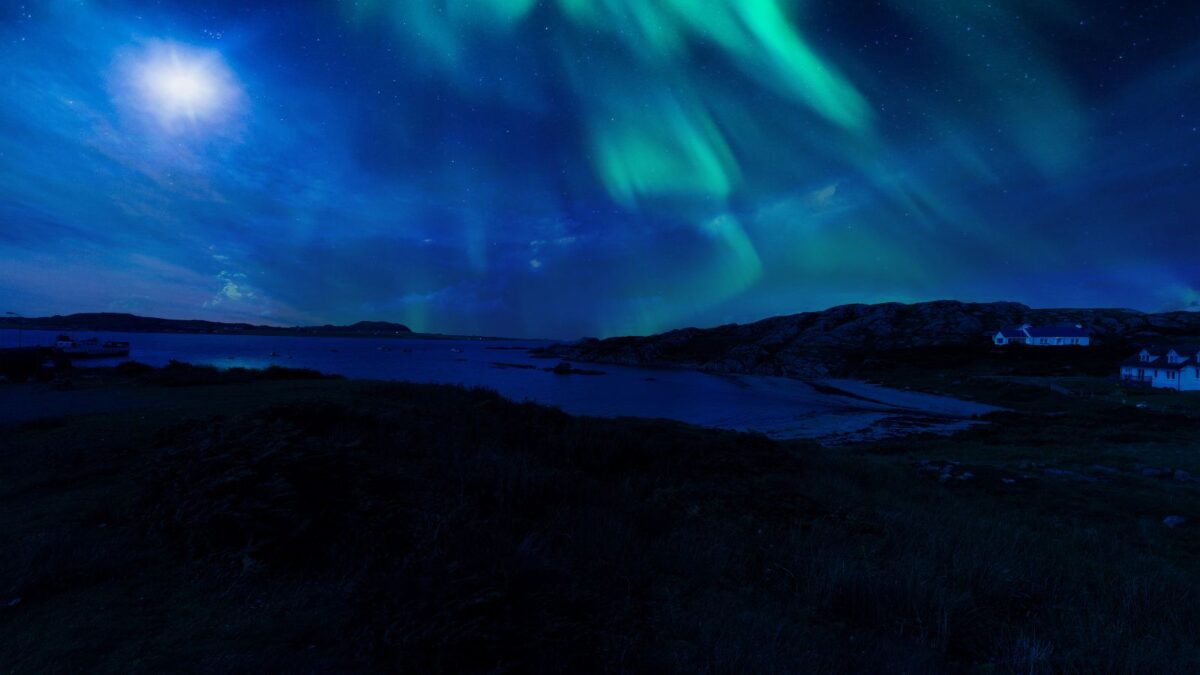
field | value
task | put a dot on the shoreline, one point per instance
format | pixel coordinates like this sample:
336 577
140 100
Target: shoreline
916 401
837 416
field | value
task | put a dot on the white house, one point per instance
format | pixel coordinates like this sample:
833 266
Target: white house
1043 336
1169 368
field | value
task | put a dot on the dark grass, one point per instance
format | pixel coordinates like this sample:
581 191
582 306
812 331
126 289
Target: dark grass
21 364
341 526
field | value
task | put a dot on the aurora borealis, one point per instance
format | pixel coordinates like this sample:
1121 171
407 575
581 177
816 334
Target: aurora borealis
568 167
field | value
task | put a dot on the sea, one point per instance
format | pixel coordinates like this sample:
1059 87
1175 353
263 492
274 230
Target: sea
776 406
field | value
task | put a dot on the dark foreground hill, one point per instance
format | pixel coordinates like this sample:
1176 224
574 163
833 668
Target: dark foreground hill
264 523
131 323
829 342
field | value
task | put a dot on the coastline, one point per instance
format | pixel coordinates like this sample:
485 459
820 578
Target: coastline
930 404
829 415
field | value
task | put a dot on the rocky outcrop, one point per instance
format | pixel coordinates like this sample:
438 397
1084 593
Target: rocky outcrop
818 344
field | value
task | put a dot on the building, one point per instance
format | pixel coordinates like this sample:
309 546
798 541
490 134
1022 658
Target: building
1043 336
1169 368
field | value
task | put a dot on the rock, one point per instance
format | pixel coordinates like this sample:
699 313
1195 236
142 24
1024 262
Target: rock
1181 475
1175 521
12 602
565 368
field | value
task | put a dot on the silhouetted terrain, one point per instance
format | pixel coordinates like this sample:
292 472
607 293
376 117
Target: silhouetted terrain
131 323
815 344
273 521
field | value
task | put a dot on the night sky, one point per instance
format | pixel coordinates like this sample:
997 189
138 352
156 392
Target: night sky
594 167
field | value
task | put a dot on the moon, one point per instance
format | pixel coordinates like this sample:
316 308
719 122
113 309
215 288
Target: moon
183 86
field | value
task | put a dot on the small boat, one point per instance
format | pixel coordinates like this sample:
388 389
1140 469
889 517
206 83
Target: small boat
90 348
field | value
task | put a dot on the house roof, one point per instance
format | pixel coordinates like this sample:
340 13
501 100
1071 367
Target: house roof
1186 350
1156 350
1158 362
1161 350
1027 330
1057 331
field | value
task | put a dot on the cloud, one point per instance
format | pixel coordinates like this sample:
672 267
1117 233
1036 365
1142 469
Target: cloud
230 289
822 197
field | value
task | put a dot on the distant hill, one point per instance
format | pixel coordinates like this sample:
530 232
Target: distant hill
131 323
814 344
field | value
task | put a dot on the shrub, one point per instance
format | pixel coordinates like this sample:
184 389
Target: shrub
135 369
18 365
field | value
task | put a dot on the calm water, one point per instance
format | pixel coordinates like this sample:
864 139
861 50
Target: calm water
777 406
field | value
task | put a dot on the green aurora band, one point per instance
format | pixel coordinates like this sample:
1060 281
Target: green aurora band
682 99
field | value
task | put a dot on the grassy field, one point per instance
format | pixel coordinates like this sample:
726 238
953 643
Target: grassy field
274 522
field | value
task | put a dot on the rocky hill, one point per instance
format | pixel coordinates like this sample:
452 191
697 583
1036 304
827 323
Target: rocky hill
115 322
814 344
